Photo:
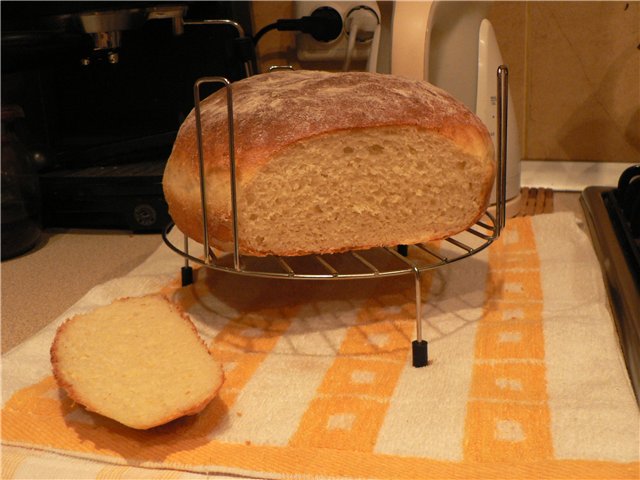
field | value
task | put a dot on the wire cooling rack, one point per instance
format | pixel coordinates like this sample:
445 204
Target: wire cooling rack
363 264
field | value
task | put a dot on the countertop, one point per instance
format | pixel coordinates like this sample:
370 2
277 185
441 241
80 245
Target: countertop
41 285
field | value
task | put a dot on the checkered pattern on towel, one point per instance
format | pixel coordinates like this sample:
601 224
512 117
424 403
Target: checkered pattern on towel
526 378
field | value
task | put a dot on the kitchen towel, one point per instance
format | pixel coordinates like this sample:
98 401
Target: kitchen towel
526 378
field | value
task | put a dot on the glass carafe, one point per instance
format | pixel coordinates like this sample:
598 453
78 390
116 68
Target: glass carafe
21 207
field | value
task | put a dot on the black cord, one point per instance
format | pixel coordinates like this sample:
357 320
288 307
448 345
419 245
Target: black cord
260 34
324 24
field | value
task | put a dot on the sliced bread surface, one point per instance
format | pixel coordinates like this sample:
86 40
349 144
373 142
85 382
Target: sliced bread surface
138 360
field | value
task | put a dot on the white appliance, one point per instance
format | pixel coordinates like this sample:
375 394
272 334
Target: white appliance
452 44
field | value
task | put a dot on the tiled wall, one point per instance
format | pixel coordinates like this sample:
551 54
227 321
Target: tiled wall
574 74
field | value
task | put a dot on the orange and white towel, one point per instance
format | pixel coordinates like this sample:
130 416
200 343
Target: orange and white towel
526 377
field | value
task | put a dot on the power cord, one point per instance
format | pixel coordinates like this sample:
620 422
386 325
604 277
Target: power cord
324 24
362 24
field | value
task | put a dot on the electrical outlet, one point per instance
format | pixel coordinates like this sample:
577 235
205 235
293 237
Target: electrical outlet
309 49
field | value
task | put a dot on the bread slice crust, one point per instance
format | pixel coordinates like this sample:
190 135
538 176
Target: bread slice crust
81 370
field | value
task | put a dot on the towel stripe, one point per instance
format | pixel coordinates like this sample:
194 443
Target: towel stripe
11 461
265 461
507 412
118 472
352 400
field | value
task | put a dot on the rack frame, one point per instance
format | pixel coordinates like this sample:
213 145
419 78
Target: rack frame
468 243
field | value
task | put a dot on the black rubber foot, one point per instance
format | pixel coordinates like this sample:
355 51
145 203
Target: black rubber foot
420 353
187 276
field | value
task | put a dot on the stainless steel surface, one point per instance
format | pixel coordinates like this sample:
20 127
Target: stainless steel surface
232 167
106 40
501 141
418 286
622 289
376 260
275 68
203 187
112 20
174 12
231 23
105 27
466 243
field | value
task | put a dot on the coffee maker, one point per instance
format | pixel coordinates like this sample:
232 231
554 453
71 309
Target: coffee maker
104 87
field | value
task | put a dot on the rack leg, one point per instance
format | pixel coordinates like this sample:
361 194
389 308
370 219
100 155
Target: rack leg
419 346
186 271
187 275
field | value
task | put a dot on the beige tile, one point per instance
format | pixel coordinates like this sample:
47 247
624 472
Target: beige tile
583 77
509 22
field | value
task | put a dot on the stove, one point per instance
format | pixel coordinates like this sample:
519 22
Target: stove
613 217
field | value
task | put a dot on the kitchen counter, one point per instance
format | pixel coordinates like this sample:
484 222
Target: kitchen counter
41 285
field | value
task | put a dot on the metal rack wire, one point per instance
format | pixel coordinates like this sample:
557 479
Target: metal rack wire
372 263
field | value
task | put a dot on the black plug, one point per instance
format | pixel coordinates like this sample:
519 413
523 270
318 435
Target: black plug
324 25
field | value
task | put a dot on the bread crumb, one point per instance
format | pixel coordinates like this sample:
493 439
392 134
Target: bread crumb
247 442
238 414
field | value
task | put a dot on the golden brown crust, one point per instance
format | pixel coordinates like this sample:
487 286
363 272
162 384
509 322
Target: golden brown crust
302 104
65 384
276 110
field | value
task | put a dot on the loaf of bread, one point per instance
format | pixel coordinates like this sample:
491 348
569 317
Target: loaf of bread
328 162
139 361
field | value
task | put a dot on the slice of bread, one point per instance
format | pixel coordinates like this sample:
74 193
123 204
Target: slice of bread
139 361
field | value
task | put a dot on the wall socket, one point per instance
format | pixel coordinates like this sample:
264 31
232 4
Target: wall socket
310 50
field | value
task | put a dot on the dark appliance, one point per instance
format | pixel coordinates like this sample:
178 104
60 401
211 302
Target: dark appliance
104 87
21 220
613 217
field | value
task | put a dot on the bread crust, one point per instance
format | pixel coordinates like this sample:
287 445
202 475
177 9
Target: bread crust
277 110
67 385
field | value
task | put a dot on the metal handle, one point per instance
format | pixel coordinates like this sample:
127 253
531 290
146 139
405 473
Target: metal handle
501 142
232 164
